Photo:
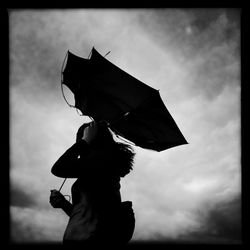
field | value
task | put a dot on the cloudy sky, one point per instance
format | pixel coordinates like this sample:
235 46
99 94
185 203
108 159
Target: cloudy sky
190 192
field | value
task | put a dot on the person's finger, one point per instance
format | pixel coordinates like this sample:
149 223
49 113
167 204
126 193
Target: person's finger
53 195
55 192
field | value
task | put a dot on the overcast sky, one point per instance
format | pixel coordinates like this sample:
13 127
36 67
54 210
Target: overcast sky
192 56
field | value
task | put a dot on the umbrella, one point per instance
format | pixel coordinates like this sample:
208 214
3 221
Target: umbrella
132 109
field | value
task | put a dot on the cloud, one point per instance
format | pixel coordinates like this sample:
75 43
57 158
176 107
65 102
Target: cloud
20 198
204 42
224 220
168 193
40 136
221 221
36 225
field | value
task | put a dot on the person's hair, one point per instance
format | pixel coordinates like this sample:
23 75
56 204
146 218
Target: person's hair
123 153
125 156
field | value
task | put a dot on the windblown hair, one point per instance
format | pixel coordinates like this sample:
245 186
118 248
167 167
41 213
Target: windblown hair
123 153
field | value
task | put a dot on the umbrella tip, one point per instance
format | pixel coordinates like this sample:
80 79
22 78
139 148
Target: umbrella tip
107 53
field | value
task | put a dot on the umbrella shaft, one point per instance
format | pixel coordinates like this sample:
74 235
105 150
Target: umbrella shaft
62 184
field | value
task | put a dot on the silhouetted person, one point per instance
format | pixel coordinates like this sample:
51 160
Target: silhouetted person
97 214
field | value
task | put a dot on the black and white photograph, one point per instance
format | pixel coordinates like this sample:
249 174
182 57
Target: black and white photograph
125 126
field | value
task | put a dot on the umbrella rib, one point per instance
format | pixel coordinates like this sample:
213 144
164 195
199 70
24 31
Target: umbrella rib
122 136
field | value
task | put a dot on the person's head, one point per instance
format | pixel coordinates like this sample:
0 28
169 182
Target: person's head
103 136
124 153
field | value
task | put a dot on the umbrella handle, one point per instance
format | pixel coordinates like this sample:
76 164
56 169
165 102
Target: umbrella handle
68 196
62 184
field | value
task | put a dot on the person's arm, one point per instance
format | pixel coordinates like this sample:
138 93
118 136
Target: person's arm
67 207
81 157
68 164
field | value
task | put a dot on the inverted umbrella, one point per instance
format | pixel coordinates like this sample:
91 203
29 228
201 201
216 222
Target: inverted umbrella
131 108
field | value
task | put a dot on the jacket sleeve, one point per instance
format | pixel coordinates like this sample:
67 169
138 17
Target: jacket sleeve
79 159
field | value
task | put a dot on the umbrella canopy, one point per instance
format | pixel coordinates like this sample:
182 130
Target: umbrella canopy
132 109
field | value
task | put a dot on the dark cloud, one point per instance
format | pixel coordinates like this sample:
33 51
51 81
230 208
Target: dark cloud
225 220
205 41
221 223
20 198
191 30
215 46
36 225
20 233
204 17
35 57
33 52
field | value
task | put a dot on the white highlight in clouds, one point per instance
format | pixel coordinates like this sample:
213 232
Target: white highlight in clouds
201 185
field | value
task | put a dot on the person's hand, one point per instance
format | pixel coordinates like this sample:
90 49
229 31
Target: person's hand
90 132
56 199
